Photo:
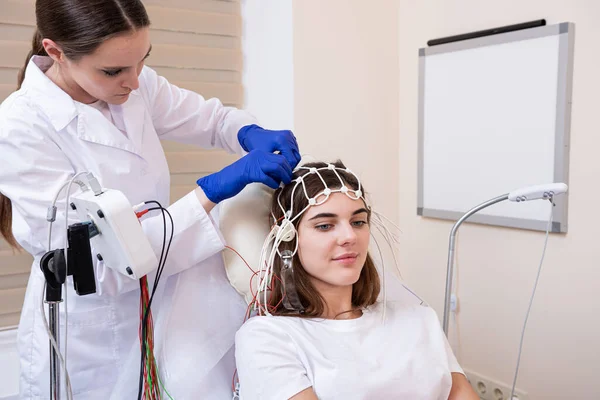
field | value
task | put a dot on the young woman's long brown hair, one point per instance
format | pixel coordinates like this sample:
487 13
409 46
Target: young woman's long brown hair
364 291
79 27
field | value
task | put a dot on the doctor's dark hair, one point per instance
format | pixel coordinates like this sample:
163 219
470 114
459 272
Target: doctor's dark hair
79 27
368 286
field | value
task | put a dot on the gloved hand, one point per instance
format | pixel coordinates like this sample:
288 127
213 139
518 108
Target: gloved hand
256 166
253 137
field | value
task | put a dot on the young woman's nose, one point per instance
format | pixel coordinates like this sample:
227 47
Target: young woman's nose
347 234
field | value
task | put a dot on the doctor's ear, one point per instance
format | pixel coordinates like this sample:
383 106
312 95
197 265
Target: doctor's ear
53 50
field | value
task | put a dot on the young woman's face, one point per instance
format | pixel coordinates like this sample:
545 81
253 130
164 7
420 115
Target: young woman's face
333 241
111 72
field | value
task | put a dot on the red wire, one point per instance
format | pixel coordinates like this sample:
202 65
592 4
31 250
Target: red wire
254 295
240 256
247 315
140 214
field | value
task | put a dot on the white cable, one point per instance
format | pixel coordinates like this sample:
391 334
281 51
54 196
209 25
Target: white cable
383 217
397 267
53 342
262 275
454 293
383 279
456 350
50 336
389 238
512 391
66 288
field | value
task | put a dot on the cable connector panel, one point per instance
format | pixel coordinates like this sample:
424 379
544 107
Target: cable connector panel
121 241
94 184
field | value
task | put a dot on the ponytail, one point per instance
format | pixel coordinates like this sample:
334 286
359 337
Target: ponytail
5 204
37 49
6 221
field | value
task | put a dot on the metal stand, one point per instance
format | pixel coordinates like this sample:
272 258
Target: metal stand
538 192
54 360
55 271
54 266
450 270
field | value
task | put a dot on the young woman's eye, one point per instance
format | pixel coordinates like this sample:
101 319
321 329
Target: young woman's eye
359 223
112 73
323 227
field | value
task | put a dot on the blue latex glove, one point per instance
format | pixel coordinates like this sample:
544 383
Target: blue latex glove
256 166
253 137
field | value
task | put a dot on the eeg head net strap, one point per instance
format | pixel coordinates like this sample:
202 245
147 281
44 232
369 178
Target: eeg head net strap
285 231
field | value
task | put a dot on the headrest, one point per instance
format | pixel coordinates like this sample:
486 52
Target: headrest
245 222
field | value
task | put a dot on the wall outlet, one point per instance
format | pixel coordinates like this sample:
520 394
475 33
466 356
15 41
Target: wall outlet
489 389
453 303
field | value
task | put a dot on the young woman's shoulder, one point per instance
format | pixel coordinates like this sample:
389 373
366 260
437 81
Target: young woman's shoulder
17 103
264 332
265 326
403 311
19 112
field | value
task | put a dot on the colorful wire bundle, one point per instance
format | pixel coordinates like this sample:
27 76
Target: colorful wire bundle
150 386
151 390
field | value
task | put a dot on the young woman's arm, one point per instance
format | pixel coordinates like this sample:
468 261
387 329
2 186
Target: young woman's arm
461 389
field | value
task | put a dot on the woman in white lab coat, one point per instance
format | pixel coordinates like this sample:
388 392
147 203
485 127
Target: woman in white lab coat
88 103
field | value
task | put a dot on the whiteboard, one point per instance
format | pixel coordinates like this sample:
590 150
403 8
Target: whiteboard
494 116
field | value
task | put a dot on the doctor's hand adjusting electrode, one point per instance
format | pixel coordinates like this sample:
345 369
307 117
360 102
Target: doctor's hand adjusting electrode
253 137
256 166
259 165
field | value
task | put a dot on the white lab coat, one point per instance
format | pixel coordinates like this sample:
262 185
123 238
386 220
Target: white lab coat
46 137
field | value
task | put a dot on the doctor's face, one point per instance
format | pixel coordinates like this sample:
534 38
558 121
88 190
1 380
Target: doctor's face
111 72
333 241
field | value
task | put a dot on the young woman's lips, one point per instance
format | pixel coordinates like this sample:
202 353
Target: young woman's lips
346 259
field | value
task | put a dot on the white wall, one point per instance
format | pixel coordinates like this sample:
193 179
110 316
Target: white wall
346 89
268 62
497 267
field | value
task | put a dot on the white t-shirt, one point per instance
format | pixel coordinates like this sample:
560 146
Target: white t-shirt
114 116
405 357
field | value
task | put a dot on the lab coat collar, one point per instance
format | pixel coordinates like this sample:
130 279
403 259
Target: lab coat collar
134 115
61 109
58 106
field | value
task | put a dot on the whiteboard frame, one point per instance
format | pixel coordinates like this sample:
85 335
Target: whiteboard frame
566 33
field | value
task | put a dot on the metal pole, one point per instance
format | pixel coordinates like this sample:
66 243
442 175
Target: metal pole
449 271
54 360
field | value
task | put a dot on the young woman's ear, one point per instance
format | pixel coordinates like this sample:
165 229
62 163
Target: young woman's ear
53 50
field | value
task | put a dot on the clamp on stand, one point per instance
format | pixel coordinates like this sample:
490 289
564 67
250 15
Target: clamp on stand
54 266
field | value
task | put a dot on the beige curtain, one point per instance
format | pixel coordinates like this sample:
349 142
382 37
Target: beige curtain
196 44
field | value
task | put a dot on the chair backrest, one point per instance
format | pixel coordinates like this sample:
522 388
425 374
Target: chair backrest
245 222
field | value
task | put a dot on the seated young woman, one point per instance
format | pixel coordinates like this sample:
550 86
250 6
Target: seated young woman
322 333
